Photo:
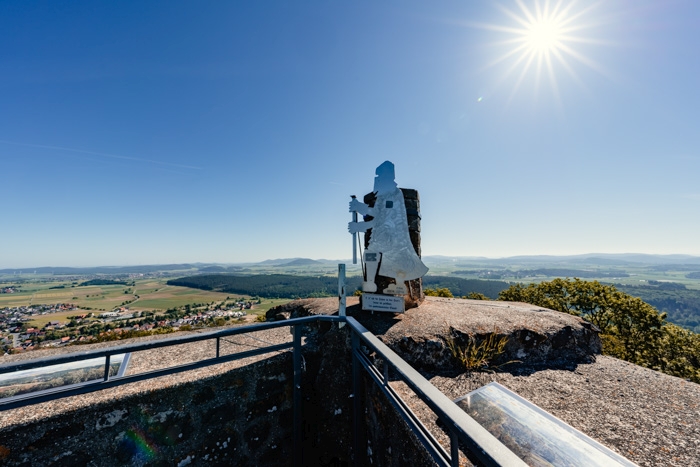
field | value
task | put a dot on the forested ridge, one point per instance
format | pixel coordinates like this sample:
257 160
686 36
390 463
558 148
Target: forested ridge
631 329
680 303
292 286
104 282
268 285
547 272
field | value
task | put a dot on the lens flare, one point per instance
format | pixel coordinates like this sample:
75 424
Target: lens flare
137 444
543 36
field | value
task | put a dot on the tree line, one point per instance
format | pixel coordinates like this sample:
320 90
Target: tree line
463 287
630 328
289 286
681 304
268 285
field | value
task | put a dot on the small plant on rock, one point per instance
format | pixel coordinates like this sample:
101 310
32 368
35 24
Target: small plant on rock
478 356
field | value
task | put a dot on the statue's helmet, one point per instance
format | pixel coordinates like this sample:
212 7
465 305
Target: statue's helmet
386 170
384 181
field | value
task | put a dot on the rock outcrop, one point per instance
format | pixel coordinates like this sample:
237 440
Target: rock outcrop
536 336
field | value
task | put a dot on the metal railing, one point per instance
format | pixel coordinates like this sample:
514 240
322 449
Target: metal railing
460 426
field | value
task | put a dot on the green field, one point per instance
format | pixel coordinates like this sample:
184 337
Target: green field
153 294
43 320
168 296
268 303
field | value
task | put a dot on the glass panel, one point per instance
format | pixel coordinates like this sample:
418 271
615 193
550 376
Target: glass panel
537 437
54 376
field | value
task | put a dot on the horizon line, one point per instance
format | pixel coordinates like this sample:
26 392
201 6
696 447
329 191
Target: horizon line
193 263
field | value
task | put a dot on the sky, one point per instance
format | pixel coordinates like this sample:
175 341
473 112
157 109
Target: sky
176 131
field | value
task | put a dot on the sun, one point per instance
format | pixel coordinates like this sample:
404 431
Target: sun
543 37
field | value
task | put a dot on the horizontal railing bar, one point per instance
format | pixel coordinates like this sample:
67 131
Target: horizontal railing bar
479 441
77 356
29 399
436 451
389 391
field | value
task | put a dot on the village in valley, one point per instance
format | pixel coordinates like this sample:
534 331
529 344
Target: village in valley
25 328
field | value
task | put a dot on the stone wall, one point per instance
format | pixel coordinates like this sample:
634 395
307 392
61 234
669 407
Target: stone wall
242 418
328 404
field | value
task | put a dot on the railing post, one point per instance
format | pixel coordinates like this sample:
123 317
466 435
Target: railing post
107 367
341 293
296 398
218 346
454 448
356 399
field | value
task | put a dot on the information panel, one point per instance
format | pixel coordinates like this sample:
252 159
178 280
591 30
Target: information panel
536 436
375 302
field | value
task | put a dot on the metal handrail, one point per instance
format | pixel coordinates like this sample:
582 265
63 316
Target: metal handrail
85 355
113 381
478 440
461 427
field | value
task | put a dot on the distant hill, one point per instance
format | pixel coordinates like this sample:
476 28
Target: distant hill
100 269
300 262
679 262
580 273
274 262
590 258
213 269
284 262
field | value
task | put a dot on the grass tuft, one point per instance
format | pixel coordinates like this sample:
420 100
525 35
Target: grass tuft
478 356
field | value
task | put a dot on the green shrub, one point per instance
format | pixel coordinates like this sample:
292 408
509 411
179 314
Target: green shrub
444 292
630 328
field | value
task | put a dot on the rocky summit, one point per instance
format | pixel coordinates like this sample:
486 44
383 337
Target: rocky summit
535 335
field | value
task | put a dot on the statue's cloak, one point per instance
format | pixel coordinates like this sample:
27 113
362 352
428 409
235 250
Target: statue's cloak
390 237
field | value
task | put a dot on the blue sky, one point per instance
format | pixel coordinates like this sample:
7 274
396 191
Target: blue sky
175 131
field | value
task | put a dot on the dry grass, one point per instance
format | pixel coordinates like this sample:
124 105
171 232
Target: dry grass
478 356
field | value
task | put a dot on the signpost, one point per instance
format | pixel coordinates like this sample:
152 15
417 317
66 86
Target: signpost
354 236
377 302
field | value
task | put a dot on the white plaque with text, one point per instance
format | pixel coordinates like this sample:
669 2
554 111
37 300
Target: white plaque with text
376 302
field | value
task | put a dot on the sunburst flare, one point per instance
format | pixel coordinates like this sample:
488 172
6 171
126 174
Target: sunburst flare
542 38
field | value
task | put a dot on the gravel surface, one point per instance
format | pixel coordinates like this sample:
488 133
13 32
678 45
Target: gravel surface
650 418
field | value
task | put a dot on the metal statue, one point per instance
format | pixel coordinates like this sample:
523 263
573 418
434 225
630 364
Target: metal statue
390 250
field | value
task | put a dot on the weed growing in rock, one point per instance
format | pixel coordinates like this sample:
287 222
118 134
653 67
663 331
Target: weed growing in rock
478 356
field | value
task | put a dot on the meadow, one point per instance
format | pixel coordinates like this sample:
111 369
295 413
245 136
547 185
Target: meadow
672 284
144 295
